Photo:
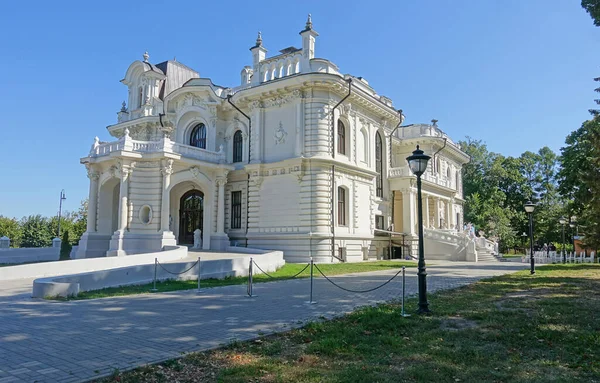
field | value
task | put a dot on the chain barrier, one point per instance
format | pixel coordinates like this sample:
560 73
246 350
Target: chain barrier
183 272
281 279
357 291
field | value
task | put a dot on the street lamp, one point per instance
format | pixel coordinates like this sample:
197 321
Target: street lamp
529 208
417 163
62 198
573 225
562 222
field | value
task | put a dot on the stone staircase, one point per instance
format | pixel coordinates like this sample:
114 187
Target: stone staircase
485 255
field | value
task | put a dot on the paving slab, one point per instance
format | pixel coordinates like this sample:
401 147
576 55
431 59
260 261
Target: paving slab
49 341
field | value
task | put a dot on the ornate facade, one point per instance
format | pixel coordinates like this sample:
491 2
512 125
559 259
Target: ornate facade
299 157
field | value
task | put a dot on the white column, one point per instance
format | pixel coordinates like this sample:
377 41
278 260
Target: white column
221 206
437 213
166 170
448 214
93 200
123 192
409 211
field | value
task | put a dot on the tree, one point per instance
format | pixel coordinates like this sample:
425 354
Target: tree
65 246
11 228
36 232
593 8
80 223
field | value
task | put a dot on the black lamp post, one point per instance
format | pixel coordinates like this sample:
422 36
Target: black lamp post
524 236
562 222
529 208
62 198
417 163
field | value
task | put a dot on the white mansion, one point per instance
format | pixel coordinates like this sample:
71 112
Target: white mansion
299 157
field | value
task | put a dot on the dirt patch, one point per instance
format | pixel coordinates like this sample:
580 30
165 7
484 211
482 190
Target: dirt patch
457 323
518 301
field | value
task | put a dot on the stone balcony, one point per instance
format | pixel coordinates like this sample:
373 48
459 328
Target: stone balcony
422 130
436 179
165 145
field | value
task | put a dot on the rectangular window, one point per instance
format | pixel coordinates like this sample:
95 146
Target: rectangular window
236 210
341 206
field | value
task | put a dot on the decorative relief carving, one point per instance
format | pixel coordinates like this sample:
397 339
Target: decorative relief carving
148 164
92 173
280 134
255 105
167 168
281 100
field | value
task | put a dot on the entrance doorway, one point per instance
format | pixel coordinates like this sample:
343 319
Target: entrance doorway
191 216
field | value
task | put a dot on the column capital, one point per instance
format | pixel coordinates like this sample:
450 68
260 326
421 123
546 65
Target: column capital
221 181
167 168
92 173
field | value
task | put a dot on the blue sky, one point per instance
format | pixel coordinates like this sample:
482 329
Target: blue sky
516 74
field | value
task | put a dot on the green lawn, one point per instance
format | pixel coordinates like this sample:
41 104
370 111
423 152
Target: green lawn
287 271
514 328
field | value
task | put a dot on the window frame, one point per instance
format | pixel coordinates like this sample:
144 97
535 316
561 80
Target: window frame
238 146
379 165
342 206
236 210
198 136
341 137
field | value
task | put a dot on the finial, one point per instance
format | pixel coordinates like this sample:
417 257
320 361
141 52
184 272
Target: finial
434 122
259 40
123 107
417 147
308 22
146 56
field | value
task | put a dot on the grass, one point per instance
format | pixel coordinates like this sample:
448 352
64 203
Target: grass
285 272
513 328
512 255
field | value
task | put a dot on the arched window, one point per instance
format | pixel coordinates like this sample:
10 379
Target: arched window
237 146
198 136
448 172
341 136
379 165
297 67
438 166
341 206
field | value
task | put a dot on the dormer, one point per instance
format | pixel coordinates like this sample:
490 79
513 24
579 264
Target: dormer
143 81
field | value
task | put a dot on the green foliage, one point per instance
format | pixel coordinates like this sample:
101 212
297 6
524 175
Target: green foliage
496 187
36 232
11 228
593 8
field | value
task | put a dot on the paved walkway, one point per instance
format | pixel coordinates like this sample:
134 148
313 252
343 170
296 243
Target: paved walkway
46 341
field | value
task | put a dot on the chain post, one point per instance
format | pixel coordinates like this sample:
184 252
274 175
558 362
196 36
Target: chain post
403 291
250 279
311 302
154 281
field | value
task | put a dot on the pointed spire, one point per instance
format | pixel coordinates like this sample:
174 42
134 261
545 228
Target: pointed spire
259 40
308 23
146 56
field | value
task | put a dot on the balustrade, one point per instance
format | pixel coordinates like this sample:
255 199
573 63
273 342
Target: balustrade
167 146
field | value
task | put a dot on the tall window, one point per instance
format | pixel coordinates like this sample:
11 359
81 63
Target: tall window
237 146
236 210
198 136
140 97
341 206
379 165
380 222
341 133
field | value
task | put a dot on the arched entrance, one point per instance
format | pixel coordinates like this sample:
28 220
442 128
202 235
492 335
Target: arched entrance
191 215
